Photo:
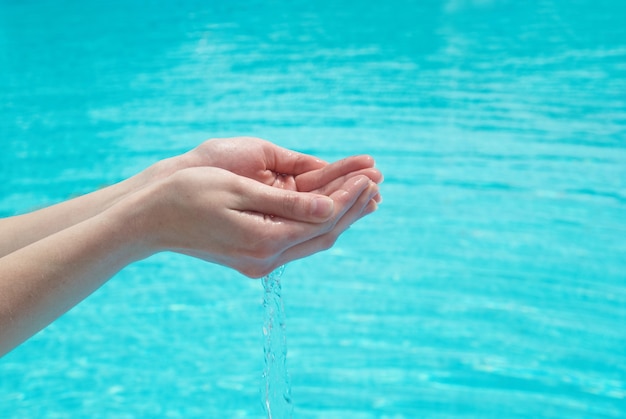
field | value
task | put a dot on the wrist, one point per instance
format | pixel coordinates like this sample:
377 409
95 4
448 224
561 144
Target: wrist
132 220
160 170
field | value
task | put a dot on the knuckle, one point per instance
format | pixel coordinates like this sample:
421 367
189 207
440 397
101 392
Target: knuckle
240 187
290 203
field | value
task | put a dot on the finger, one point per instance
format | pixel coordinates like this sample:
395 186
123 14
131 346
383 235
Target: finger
285 204
316 179
372 173
293 233
363 206
289 162
345 203
303 237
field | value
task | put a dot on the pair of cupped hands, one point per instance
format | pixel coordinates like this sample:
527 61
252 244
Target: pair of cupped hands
251 205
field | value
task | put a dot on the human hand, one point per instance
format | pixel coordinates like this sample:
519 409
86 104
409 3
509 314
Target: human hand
257 208
215 215
253 158
272 165
276 166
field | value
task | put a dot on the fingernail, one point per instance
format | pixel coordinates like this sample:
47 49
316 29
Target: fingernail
373 190
322 207
361 180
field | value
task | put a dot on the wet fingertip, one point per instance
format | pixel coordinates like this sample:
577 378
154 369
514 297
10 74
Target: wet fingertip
372 189
322 207
371 207
361 181
368 159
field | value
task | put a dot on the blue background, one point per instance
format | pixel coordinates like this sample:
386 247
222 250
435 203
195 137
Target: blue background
491 282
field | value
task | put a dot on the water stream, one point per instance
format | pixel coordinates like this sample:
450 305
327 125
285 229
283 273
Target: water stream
276 389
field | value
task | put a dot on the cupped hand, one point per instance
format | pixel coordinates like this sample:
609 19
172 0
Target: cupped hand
276 166
221 217
253 158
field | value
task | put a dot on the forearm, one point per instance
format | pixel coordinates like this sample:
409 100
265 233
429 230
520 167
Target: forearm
252 221
43 280
22 230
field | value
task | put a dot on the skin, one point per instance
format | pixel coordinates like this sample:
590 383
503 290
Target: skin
242 202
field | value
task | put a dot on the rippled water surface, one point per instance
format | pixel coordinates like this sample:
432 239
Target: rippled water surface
491 282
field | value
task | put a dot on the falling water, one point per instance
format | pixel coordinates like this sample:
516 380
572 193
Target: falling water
276 387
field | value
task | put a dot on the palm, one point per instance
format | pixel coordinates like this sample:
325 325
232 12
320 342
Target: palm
275 166
256 159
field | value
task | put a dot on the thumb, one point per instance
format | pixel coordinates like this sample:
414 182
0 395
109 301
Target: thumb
292 205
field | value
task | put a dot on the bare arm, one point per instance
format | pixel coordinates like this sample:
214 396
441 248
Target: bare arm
250 157
22 230
207 213
43 280
251 215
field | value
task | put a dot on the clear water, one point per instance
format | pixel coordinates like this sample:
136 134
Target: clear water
492 281
276 384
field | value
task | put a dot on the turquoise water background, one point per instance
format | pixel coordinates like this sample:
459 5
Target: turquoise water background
492 281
